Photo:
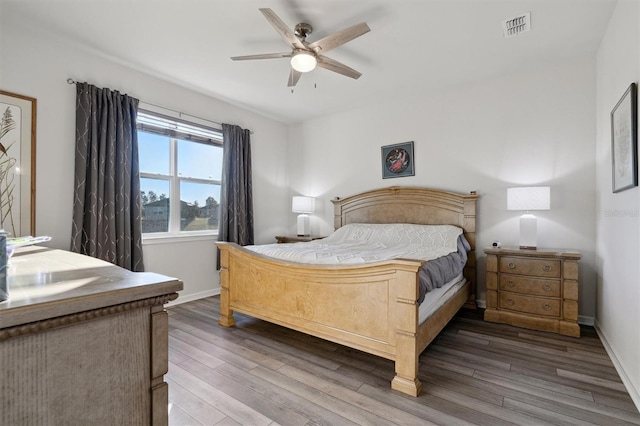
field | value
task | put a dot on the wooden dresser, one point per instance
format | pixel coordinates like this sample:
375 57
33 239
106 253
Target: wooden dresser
83 342
536 289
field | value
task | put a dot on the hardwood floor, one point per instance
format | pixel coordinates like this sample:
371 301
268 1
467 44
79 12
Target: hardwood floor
475 372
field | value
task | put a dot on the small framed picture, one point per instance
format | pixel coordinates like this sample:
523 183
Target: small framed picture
624 141
398 160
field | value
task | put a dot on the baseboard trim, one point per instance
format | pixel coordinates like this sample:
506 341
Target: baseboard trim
633 392
194 296
585 320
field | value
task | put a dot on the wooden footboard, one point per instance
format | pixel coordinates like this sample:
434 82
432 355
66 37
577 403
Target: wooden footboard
367 307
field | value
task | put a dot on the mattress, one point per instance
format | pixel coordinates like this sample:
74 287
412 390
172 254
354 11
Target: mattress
436 298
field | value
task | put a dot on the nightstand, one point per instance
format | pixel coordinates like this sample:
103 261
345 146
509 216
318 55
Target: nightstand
294 239
535 289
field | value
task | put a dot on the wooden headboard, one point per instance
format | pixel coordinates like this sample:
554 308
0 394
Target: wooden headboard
421 206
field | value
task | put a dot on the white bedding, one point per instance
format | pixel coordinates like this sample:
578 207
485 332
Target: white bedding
366 243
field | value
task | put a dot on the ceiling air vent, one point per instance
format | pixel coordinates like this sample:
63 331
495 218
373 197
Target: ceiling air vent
519 24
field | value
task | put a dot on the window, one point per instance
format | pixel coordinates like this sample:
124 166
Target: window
180 173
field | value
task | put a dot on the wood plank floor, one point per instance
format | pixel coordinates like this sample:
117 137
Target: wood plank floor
475 372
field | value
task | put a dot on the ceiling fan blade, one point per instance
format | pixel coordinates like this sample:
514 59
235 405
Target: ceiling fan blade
335 66
262 56
338 39
294 76
282 29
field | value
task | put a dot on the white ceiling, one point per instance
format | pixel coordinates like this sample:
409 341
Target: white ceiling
415 46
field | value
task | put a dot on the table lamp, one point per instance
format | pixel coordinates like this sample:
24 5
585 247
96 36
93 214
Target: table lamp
529 198
304 206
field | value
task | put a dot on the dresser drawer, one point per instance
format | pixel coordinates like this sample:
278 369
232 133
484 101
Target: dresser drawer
533 267
530 305
531 286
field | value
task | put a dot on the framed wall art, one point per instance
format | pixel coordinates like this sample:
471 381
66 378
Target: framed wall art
17 164
624 141
398 160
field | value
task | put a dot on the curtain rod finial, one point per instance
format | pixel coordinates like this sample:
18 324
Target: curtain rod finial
71 81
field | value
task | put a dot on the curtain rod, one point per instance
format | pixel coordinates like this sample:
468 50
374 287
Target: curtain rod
180 113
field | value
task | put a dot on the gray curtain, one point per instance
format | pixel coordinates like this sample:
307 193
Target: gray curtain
236 199
106 203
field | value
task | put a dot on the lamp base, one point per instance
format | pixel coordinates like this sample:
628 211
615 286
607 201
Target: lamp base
303 225
528 232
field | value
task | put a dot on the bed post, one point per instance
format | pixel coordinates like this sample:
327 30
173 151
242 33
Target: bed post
469 226
406 378
403 303
226 314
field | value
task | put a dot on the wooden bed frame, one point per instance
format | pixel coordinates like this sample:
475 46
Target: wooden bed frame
370 307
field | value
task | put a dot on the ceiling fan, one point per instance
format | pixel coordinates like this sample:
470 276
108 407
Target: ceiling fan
306 56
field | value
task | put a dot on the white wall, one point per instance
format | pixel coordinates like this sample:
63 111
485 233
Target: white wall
37 64
536 127
618 230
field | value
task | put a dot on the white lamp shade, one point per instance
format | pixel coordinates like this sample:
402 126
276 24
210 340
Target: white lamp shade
303 61
529 198
300 204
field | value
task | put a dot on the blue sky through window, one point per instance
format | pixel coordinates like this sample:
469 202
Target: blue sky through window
198 160
153 151
191 192
195 160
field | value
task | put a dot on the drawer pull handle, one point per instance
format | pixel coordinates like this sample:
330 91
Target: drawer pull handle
511 265
511 283
546 307
511 302
546 268
546 287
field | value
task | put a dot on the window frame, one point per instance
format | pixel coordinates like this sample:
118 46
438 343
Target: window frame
174 135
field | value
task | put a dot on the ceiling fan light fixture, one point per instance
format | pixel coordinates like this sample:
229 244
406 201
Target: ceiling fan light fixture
303 61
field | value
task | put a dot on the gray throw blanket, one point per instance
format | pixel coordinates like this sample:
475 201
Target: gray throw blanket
437 272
